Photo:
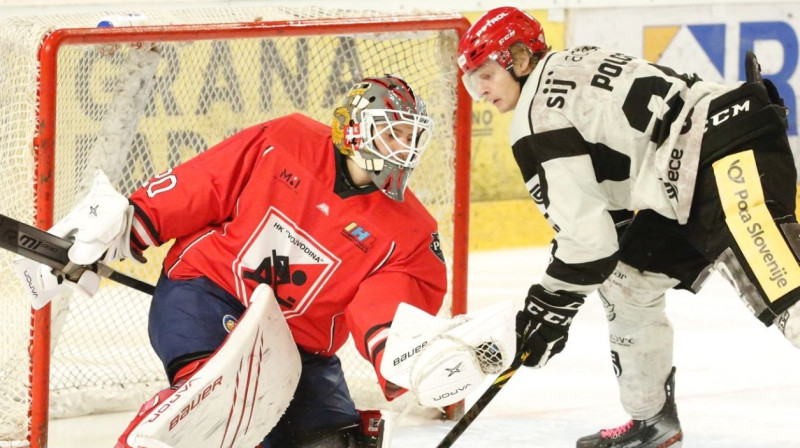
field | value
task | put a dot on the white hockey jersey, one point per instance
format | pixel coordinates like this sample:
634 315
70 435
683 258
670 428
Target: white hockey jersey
596 131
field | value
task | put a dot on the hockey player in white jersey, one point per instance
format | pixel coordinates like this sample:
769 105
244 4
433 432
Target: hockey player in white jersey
599 134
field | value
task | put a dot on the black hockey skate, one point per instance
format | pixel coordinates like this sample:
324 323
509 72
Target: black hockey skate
661 431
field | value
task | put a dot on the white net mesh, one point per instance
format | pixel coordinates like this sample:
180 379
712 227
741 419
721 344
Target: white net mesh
111 112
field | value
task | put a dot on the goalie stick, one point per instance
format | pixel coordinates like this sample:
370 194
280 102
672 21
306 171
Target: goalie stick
483 401
50 250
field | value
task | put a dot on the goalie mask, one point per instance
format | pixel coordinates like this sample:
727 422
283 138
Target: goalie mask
383 126
490 39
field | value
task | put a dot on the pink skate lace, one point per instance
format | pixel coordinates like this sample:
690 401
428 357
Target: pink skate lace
613 433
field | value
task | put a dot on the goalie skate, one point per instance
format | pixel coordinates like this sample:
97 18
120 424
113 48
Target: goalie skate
661 431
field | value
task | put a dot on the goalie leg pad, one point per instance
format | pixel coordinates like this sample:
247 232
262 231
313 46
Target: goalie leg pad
238 395
640 335
158 399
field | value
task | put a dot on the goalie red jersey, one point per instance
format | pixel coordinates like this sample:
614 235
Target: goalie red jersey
356 256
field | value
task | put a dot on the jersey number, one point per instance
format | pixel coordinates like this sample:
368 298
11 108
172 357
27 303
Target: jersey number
161 183
639 115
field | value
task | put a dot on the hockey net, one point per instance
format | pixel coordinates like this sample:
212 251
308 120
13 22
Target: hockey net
135 101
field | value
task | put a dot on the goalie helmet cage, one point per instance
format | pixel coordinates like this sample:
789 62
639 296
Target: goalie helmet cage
135 101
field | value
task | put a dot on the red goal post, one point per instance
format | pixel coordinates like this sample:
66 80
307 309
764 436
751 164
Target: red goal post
135 101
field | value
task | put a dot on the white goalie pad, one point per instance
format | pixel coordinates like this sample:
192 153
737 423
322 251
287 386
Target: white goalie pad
238 396
443 360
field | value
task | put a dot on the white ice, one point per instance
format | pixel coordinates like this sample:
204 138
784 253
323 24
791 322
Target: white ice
737 383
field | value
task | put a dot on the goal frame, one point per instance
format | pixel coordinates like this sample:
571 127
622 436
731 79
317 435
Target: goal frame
45 149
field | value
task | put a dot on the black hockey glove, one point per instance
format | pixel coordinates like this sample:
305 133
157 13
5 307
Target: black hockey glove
543 325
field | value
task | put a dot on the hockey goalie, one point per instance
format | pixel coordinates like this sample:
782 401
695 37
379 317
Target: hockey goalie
288 237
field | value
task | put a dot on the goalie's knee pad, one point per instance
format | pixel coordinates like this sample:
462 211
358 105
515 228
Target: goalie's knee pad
238 395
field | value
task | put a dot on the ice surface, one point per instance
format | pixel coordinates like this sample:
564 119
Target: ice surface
737 384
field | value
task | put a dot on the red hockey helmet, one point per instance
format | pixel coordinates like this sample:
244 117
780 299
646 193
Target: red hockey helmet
491 37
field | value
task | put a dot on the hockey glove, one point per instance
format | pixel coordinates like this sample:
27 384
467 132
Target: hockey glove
100 224
100 227
543 325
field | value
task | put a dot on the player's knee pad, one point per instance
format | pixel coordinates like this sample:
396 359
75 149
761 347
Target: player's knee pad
634 296
788 323
640 336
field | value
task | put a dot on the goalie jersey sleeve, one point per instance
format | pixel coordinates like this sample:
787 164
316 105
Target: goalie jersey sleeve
267 206
596 133
196 195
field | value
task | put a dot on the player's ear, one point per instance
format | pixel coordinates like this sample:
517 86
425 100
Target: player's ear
523 61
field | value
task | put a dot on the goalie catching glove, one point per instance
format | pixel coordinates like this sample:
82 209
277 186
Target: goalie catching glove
100 226
543 325
441 360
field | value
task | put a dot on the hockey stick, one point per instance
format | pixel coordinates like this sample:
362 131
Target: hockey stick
50 250
483 400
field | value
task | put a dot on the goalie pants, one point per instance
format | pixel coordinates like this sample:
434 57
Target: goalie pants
742 223
189 319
